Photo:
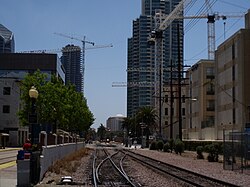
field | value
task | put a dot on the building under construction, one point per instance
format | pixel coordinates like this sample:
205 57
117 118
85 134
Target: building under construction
71 60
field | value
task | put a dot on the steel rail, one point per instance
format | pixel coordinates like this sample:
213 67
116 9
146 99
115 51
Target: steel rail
190 177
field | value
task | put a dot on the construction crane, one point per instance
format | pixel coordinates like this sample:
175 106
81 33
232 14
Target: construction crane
54 51
84 41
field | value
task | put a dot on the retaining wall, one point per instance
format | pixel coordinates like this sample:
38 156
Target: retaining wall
52 153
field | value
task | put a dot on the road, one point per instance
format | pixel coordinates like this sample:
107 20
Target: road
8 168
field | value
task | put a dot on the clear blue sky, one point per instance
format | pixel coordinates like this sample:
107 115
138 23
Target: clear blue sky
33 23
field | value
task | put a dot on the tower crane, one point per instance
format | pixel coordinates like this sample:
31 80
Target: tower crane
84 41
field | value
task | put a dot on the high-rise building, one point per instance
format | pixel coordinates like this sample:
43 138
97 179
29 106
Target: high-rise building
141 55
71 60
7 43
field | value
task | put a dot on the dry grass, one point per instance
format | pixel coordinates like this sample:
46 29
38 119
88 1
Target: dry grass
70 163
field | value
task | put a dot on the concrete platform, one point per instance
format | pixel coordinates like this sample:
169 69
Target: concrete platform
8 176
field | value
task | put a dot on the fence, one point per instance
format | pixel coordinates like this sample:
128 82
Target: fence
236 148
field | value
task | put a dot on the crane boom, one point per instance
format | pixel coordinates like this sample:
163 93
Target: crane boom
174 14
54 51
74 38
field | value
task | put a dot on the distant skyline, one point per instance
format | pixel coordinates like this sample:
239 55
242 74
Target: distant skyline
103 22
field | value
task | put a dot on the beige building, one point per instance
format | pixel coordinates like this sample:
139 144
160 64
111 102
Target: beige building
170 121
233 82
200 106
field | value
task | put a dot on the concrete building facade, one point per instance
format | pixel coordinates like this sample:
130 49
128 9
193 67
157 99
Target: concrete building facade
13 68
233 85
170 121
200 103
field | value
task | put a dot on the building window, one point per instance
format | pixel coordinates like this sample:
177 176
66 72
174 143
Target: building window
6 109
183 111
210 72
6 90
166 98
210 105
210 89
183 98
166 123
166 111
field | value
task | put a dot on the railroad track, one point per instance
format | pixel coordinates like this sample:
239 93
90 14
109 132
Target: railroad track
189 177
108 169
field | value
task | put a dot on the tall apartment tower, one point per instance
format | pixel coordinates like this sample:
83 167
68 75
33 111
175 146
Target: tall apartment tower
141 88
7 43
71 60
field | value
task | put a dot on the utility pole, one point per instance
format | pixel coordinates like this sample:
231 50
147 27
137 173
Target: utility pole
179 82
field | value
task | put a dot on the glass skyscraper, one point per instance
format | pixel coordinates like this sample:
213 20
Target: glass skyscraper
141 55
7 43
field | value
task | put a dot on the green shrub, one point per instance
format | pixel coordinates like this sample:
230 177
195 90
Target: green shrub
160 145
166 147
213 152
153 146
199 151
171 145
178 146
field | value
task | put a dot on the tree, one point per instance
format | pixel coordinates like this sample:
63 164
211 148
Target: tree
147 116
56 104
101 132
127 124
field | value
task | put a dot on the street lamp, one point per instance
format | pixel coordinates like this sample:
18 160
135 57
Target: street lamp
33 93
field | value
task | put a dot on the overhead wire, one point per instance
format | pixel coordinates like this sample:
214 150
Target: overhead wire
232 4
194 21
222 35
202 11
203 50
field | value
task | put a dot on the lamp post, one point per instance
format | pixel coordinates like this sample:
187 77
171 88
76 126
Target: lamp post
33 93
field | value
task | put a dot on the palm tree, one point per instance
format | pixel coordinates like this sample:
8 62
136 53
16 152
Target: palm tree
146 116
101 132
128 125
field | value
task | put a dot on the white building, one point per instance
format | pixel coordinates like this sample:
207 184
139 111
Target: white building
115 123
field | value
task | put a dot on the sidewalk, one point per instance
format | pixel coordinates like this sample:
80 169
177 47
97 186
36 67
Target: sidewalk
8 171
10 149
8 177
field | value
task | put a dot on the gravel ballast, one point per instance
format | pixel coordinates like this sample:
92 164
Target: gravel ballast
149 178
189 161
